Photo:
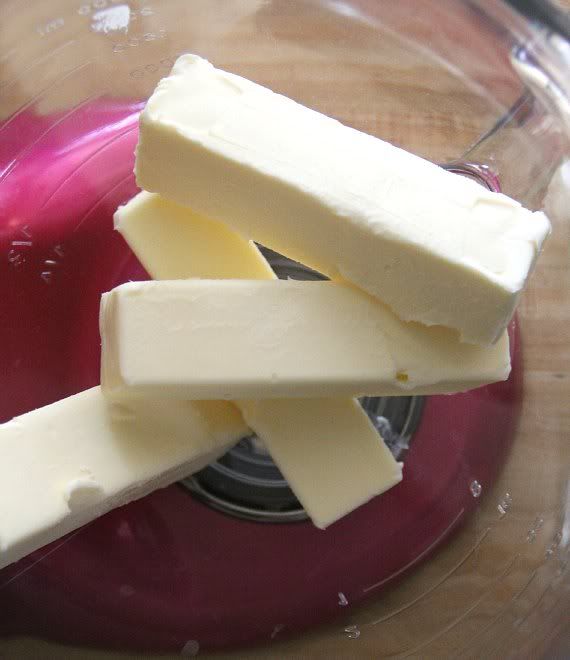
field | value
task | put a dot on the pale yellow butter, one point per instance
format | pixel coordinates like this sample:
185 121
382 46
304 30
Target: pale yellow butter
319 445
436 247
263 339
68 463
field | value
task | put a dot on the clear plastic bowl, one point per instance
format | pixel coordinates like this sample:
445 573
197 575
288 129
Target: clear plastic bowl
469 557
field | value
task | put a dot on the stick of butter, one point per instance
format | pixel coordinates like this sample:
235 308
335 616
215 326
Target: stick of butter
72 461
436 247
174 243
263 339
319 445
327 449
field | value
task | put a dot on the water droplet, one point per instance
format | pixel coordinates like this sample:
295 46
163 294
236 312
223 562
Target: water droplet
191 648
50 262
505 504
47 276
25 230
352 632
475 488
58 249
342 599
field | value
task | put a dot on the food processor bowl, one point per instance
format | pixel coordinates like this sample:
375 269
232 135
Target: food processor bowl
468 557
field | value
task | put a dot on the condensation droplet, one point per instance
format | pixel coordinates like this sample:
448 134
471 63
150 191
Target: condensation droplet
191 648
505 504
58 249
475 488
47 276
342 599
25 230
352 632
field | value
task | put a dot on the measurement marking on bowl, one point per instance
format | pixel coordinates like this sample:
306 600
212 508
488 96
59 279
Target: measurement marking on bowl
475 488
109 192
87 8
278 628
495 582
422 554
505 504
352 632
112 19
535 530
36 63
39 95
520 622
16 259
436 585
18 158
139 40
87 160
554 545
17 254
506 609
